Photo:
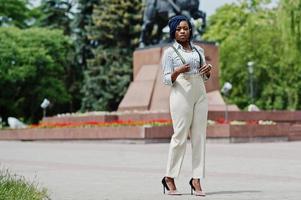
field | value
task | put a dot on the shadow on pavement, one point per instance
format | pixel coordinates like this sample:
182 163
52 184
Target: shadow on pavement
232 192
225 192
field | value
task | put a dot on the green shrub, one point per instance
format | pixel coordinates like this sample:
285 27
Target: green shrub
13 187
33 65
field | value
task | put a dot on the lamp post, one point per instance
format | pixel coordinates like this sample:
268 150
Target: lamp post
250 66
44 105
225 91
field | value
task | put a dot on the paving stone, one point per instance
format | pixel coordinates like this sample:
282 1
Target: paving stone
129 170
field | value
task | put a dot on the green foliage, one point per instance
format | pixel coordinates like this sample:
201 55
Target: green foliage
59 14
83 19
116 28
105 86
117 23
290 26
33 65
56 14
13 187
14 12
290 18
227 20
247 31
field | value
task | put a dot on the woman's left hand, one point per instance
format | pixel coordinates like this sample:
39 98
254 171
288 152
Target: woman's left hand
205 69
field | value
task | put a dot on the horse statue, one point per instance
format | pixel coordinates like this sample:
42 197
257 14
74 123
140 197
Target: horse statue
158 12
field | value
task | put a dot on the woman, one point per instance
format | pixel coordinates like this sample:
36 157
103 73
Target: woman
185 70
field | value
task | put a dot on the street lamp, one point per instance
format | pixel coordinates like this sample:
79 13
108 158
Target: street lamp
250 66
225 91
44 105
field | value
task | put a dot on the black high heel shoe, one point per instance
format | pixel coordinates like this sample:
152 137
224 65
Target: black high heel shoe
165 186
196 193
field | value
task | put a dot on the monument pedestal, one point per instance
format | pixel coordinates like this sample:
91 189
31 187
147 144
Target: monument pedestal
147 91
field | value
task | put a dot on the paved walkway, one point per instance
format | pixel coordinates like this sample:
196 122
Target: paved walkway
94 170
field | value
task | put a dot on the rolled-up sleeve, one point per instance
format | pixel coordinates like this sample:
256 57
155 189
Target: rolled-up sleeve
167 67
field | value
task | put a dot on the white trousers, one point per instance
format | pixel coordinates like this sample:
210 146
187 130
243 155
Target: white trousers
188 108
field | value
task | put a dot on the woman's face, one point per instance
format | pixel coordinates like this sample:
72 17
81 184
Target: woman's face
182 32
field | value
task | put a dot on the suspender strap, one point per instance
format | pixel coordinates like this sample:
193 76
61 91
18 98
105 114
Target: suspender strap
181 57
201 60
178 53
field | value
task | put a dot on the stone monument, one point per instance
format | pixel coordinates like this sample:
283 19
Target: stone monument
147 91
158 12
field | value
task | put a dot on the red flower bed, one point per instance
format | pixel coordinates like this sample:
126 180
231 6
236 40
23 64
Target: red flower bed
157 122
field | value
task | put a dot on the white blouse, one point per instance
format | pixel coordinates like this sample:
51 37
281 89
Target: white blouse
171 60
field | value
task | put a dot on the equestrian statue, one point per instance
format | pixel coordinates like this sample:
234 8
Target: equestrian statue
158 12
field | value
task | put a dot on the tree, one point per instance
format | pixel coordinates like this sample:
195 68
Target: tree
14 12
248 31
116 29
33 66
116 23
290 26
105 86
59 14
56 14
82 20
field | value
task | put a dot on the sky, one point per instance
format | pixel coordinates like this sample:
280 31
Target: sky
209 6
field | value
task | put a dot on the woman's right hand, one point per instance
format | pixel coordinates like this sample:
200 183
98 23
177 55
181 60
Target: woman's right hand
182 69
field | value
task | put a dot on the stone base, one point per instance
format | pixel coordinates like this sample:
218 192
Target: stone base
287 127
231 133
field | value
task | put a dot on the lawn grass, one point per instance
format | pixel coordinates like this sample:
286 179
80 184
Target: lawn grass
14 187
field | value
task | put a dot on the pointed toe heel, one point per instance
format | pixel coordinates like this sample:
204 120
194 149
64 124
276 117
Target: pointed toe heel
193 191
165 186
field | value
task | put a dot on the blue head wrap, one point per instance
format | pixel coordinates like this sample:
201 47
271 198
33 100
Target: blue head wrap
174 22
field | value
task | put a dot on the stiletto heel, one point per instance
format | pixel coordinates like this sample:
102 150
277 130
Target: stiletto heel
196 193
191 186
165 186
